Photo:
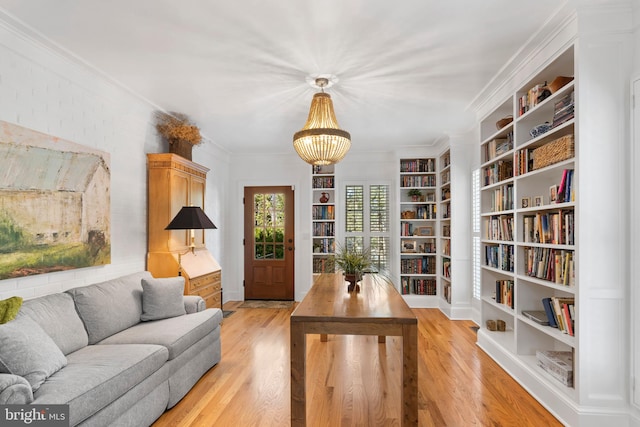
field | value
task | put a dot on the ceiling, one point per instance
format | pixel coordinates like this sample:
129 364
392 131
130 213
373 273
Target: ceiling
406 71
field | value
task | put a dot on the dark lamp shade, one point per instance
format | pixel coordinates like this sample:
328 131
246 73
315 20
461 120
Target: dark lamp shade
190 217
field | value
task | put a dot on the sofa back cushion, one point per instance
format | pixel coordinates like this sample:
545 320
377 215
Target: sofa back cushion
110 307
56 314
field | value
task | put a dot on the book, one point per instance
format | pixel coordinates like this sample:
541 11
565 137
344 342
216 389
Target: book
537 316
551 315
569 320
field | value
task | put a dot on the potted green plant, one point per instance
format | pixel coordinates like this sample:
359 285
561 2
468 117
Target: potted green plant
415 194
353 263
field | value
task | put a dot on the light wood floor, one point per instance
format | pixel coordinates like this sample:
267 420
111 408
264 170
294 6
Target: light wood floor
353 380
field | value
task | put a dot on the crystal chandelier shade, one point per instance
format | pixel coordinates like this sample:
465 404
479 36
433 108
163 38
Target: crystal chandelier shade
321 141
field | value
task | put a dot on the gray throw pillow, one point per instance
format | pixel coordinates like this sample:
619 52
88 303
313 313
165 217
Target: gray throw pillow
26 350
162 298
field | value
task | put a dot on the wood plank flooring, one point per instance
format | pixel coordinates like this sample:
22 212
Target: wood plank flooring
353 380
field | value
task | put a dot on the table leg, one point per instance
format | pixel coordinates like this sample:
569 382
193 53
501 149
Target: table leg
410 375
382 339
298 386
323 337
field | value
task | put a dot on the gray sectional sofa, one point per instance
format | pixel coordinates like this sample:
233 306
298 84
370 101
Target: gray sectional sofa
89 348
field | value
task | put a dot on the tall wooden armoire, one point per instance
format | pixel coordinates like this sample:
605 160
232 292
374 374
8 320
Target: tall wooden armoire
174 182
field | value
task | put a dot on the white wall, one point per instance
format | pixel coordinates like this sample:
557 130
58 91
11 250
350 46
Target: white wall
43 89
289 169
248 170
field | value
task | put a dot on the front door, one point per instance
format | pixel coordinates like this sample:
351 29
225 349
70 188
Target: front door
268 243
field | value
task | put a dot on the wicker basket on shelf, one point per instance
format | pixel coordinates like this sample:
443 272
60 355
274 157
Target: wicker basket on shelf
555 151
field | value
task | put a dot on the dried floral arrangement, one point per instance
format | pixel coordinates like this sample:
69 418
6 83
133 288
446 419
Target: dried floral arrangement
177 127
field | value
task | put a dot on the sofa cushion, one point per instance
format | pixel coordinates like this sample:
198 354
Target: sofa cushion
176 334
162 298
110 307
26 350
9 309
56 314
96 376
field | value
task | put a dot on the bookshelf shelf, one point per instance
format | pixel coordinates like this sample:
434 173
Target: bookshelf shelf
323 218
527 227
445 269
418 203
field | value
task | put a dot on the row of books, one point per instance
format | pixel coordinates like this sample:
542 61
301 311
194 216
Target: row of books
505 292
445 176
418 286
446 247
446 268
523 160
500 257
323 212
555 228
561 313
417 165
446 211
550 264
418 181
446 292
497 147
324 229
423 265
499 227
502 198
565 192
420 212
499 171
531 98
563 109
323 265
446 160
322 182
324 245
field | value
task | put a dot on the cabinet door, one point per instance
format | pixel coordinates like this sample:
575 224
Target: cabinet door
196 198
178 197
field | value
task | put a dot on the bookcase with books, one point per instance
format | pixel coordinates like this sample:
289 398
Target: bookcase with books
528 209
323 218
418 221
444 210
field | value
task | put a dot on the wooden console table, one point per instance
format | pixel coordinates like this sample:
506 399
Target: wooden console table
377 310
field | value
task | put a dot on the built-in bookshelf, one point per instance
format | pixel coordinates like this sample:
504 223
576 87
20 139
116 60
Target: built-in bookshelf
528 227
444 211
418 222
323 218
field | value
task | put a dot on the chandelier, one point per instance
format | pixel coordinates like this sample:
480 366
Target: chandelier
321 141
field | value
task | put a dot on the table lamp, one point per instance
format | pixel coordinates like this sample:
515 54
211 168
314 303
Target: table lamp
190 218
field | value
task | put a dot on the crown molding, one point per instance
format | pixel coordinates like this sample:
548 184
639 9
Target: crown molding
561 25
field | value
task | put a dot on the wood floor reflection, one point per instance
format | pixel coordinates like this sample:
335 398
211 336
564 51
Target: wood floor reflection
353 380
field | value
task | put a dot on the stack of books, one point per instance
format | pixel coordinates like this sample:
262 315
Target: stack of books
558 364
563 110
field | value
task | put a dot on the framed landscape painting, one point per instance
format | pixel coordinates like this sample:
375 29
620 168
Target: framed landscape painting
54 204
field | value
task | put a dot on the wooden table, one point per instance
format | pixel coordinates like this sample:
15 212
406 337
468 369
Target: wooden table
378 309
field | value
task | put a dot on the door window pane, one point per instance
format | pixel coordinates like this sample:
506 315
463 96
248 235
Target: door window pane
268 231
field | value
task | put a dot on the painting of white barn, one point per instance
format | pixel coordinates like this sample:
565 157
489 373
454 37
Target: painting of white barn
54 204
